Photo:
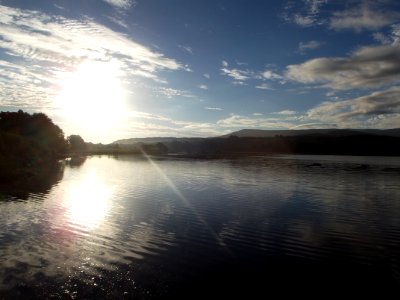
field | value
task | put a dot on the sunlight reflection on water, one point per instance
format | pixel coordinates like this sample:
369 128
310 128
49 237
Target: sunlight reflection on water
87 201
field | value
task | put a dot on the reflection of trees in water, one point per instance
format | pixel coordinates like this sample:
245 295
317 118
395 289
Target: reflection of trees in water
76 161
40 180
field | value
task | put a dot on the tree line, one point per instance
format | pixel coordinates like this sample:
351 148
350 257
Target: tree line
29 141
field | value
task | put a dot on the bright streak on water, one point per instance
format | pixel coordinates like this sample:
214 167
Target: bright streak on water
87 201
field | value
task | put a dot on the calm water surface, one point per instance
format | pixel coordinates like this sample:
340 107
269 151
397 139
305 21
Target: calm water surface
148 228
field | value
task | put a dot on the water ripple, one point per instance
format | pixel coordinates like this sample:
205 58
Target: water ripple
154 226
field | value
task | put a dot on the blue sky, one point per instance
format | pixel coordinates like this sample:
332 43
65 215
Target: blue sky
110 69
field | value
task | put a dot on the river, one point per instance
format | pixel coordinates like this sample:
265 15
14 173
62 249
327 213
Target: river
114 227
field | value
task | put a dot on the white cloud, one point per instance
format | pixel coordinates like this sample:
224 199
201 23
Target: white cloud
286 112
213 108
365 111
264 86
304 21
203 87
315 126
240 122
118 21
365 16
241 76
304 13
206 75
271 75
393 38
37 36
367 67
310 45
224 63
121 4
239 83
257 114
396 34
237 75
44 48
173 93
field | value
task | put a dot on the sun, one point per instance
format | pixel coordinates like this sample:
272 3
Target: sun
92 98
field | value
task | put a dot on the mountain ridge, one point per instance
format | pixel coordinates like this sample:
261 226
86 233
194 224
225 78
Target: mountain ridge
303 132
260 133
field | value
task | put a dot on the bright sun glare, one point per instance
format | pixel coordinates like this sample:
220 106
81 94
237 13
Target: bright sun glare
92 98
87 202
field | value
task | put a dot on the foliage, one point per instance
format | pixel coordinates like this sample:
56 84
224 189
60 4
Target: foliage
76 143
27 141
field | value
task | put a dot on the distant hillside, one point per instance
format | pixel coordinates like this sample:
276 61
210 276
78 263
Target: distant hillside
259 133
303 132
152 140
254 141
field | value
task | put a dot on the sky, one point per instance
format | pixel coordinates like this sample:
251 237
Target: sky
113 69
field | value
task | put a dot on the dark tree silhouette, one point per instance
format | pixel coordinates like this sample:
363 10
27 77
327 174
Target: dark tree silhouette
27 141
76 143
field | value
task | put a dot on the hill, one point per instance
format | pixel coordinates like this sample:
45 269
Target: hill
303 132
254 141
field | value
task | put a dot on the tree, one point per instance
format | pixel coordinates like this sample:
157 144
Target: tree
38 130
76 143
27 142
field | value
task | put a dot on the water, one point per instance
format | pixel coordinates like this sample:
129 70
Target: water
151 228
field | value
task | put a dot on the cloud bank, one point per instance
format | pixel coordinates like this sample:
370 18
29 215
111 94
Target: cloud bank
363 17
379 104
367 67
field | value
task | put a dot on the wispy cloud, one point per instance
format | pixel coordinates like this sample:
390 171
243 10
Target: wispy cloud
118 21
236 74
174 93
240 76
187 49
144 124
271 75
206 75
39 48
286 112
37 36
121 4
365 16
306 46
239 122
304 20
355 15
393 38
386 102
367 67
264 86
304 13
213 108
315 126
59 6
203 87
